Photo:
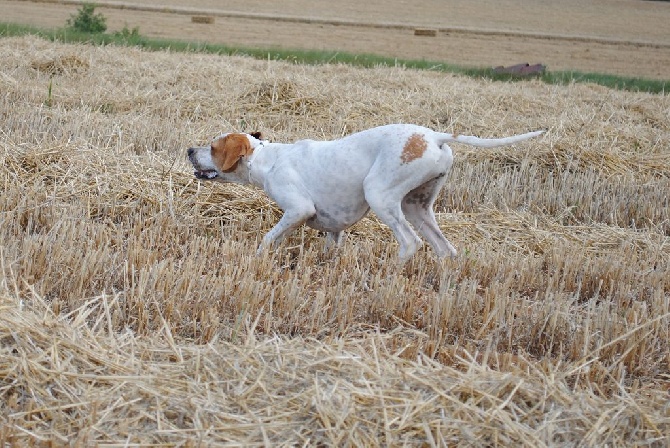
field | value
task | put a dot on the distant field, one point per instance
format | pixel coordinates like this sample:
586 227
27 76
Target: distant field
134 312
623 37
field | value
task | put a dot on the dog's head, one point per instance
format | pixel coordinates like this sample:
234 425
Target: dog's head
221 159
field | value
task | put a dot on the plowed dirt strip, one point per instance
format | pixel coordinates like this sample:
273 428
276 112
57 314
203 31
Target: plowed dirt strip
630 20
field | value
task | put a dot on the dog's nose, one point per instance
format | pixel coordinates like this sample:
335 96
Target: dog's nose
190 151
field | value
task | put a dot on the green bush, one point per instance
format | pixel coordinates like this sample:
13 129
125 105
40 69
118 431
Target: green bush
86 21
128 36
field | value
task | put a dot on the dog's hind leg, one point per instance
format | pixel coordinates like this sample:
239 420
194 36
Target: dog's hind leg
417 205
388 210
334 239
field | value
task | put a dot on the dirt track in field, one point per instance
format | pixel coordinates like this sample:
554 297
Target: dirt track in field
623 37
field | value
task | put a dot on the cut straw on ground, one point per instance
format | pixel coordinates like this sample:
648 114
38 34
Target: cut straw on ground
133 309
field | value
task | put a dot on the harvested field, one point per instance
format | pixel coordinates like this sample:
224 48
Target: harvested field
621 37
133 309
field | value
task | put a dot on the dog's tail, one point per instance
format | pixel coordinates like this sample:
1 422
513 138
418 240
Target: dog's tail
485 142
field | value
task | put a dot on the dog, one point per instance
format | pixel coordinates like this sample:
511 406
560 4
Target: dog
396 170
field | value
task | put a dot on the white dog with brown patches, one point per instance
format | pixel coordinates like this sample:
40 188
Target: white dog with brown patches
395 170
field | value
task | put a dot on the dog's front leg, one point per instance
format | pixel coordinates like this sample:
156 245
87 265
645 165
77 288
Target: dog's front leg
292 219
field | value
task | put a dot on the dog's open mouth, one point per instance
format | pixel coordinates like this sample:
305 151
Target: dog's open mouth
206 174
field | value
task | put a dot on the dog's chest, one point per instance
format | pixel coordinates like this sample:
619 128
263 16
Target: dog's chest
337 217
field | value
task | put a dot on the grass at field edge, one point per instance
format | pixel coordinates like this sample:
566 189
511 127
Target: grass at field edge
314 57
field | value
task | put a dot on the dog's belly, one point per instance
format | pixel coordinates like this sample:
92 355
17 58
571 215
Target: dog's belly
337 218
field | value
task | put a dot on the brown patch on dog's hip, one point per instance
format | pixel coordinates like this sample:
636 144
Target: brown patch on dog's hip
414 148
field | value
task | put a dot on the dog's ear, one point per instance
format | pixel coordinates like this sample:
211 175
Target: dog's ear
227 151
257 135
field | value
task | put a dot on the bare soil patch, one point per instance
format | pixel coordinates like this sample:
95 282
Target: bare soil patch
626 37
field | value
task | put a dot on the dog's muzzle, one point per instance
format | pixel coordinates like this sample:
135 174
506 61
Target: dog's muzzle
205 174
200 174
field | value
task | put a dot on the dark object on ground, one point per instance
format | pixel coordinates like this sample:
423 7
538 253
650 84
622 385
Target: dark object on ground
425 32
521 69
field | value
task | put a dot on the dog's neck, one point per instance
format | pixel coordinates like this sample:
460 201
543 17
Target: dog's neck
261 161
256 178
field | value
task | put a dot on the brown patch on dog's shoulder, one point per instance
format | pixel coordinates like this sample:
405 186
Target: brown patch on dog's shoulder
414 148
227 151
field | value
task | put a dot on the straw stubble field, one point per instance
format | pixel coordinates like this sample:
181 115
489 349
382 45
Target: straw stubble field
134 310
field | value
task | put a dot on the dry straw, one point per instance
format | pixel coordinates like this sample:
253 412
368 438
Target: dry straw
77 380
134 311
